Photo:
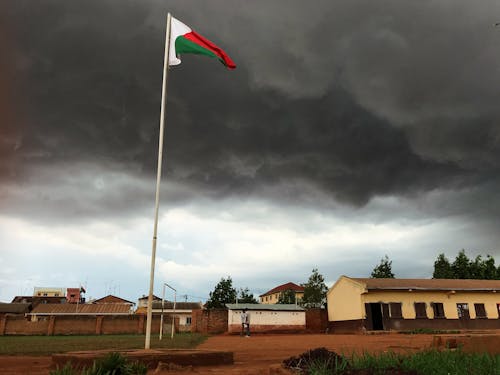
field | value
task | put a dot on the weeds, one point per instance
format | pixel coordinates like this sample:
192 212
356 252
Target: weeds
421 363
112 364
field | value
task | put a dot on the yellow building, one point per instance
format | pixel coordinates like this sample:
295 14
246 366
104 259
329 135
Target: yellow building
273 295
356 304
49 292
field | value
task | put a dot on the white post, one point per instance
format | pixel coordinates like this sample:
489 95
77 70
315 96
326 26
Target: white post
158 179
162 308
173 315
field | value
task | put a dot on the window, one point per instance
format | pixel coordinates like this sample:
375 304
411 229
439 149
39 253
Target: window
438 309
420 312
463 310
480 311
395 310
188 320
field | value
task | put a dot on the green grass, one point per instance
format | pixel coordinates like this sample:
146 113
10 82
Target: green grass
430 362
45 345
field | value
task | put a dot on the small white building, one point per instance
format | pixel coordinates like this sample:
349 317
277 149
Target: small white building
267 317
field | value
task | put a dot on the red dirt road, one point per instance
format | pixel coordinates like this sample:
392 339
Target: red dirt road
256 354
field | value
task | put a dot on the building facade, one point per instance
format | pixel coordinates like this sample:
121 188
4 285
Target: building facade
358 304
267 317
272 296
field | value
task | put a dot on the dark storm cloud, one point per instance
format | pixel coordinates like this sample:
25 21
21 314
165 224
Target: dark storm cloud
355 98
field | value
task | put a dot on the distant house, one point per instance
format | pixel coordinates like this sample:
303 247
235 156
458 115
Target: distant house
267 317
356 304
272 296
183 312
14 308
49 292
143 301
36 300
113 299
74 295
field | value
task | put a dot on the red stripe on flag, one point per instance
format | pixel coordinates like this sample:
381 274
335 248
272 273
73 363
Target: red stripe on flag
194 37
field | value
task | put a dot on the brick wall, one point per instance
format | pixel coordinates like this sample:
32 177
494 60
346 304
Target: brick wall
19 325
74 325
77 325
316 320
209 321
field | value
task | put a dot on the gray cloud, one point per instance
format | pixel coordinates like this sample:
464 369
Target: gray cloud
349 99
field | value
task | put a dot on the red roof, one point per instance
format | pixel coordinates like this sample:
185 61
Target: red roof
282 288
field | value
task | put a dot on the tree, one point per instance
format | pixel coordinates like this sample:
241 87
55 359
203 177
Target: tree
383 270
477 268
442 268
244 296
461 266
287 297
223 293
314 290
464 268
490 270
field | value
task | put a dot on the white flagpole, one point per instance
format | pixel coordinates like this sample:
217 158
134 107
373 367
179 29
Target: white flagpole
158 179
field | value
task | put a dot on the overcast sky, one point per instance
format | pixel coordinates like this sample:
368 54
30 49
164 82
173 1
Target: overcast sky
349 130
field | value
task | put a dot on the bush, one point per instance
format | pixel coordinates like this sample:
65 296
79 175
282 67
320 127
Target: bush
112 364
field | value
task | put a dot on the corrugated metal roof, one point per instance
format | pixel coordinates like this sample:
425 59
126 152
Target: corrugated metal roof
169 305
262 306
283 287
82 309
14 308
429 284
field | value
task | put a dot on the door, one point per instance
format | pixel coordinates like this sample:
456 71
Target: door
374 317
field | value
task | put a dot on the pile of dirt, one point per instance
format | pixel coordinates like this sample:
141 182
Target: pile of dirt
319 357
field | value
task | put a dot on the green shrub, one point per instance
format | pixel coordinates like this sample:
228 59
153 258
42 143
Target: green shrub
112 364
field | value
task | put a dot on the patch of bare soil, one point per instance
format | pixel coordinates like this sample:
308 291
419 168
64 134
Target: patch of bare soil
255 355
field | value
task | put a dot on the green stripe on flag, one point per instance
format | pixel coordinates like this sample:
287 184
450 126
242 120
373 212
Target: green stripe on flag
182 45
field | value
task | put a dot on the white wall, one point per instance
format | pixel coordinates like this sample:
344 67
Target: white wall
270 318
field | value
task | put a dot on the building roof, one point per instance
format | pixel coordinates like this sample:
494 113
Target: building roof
81 309
36 300
429 284
112 299
169 306
262 306
282 288
14 308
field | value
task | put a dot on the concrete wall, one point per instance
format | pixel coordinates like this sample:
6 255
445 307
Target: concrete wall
449 301
344 300
267 321
77 325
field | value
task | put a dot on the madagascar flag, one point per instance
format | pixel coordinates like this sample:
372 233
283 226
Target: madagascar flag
185 40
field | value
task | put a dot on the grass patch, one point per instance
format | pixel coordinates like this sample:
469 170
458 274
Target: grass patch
421 363
429 362
46 345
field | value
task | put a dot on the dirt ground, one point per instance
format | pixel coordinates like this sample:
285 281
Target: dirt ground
259 354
